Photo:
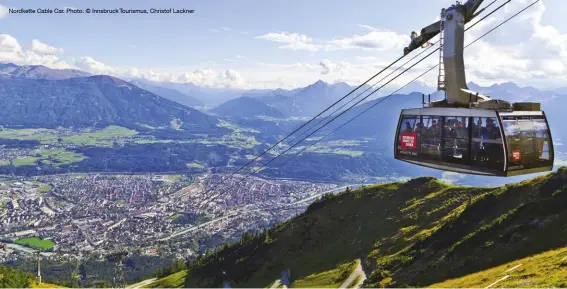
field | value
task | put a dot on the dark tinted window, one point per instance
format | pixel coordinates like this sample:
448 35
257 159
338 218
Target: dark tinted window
528 141
431 135
407 138
542 138
456 139
486 145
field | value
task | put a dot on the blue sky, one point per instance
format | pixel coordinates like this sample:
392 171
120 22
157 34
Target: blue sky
258 43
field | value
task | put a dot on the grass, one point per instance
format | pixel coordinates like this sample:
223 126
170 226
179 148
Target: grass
45 285
413 233
194 165
25 161
258 169
175 280
102 137
328 279
236 128
55 157
240 137
341 147
36 243
547 269
60 156
174 178
43 135
44 189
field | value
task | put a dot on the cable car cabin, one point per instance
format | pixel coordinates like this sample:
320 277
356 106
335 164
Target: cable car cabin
475 141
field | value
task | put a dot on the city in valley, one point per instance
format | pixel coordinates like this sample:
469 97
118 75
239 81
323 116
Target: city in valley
76 215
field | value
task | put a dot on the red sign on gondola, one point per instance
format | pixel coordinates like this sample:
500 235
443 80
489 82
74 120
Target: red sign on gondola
517 155
408 140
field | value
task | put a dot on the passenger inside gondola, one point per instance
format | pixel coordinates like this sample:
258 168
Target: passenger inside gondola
408 127
455 140
431 136
489 131
490 150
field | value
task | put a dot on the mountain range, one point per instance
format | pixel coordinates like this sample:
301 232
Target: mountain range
35 96
169 93
39 72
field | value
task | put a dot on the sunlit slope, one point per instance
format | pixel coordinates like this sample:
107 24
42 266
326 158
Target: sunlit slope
11 278
45 285
175 280
548 269
415 233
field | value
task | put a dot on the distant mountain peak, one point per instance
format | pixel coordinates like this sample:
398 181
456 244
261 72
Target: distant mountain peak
506 85
8 65
320 82
40 72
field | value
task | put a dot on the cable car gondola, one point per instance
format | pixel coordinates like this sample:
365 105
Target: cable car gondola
468 132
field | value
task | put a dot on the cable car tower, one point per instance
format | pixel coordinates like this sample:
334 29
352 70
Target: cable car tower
441 75
467 132
117 258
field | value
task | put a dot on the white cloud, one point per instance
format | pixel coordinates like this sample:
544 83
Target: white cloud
235 59
3 11
331 67
228 78
367 27
292 41
11 51
42 48
93 66
375 40
524 50
226 30
327 66
9 44
292 66
232 78
380 40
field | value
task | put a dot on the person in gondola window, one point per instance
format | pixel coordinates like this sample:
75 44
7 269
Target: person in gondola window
493 150
490 132
408 127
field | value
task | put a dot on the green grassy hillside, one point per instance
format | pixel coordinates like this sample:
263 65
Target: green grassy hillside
175 280
414 233
543 270
10 278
